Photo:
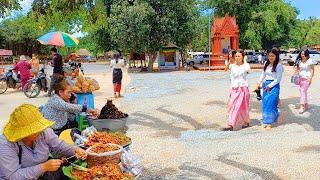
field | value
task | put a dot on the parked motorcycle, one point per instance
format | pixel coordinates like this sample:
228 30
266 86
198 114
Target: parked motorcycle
36 85
9 80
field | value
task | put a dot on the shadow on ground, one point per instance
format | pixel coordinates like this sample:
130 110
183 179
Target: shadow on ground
192 172
264 174
290 115
165 128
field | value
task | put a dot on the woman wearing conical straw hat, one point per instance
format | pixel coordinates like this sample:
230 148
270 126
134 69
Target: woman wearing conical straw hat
25 146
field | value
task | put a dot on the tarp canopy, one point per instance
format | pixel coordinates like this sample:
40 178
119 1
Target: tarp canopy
83 52
5 52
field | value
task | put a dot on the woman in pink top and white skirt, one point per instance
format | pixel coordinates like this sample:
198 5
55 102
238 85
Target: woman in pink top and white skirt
238 106
305 68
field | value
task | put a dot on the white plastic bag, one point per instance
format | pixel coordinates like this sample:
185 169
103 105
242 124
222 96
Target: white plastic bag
131 163
89 131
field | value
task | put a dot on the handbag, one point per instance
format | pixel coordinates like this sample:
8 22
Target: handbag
295 79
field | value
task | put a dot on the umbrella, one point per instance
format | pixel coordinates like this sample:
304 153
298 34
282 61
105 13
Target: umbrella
58 39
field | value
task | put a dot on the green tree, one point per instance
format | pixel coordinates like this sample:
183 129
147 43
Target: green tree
148 25
262 23
305 33
200 40
7 6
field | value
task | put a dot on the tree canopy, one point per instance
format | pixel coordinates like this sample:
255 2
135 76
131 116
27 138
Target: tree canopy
148 25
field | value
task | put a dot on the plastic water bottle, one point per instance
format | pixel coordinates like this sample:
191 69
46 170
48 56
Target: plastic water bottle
85 103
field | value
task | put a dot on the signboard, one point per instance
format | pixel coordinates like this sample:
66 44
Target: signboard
4 52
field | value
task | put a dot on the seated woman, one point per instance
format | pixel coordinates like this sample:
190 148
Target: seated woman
26 144
58 108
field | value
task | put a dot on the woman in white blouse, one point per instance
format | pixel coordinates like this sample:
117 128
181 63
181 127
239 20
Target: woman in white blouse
270 82
238 106
117 64
305 68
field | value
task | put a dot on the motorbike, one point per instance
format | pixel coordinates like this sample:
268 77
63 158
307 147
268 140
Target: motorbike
9 80
36 85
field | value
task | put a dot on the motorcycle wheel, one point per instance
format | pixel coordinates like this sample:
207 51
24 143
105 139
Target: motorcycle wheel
32 89
3 86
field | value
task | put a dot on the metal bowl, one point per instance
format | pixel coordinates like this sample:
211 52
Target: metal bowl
108 124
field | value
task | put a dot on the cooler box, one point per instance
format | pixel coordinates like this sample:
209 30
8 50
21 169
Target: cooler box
87 98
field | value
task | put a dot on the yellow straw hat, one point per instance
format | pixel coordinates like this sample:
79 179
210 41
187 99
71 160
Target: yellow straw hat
24 121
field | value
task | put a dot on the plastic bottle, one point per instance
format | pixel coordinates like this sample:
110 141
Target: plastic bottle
85 103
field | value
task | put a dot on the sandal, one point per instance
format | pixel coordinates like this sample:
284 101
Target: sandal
245 126
268 127
230 128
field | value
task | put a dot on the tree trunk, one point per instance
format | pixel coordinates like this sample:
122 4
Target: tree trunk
152 58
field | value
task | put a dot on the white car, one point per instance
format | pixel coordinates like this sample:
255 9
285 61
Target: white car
199 59
252 57
315 55
291 57
282 55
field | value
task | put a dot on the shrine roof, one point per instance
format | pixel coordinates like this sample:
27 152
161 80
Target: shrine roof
225 24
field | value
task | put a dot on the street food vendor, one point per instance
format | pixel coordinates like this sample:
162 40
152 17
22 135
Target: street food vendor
26 144
59 108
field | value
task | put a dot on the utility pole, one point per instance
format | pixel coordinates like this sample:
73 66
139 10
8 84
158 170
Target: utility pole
209 35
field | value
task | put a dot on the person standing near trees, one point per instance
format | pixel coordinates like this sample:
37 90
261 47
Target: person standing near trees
117 64
57 64
270 82
238 105
305 69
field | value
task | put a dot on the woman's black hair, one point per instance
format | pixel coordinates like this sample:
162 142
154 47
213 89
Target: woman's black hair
276 62
240 51
306 54
117 56
233 52
54 49
60 84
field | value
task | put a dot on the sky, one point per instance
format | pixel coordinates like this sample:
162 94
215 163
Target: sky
307 8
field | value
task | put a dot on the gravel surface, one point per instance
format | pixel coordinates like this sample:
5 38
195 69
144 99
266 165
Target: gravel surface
175 120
